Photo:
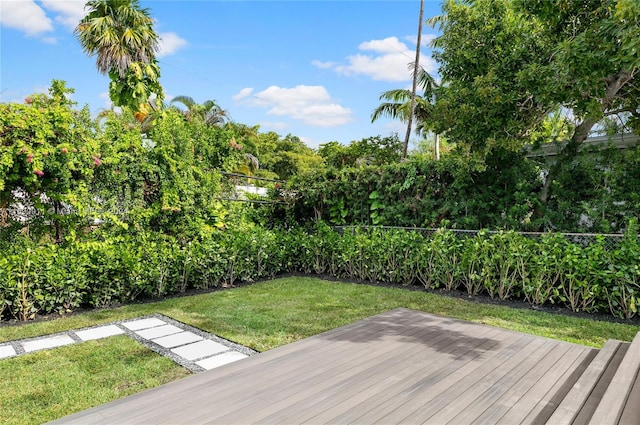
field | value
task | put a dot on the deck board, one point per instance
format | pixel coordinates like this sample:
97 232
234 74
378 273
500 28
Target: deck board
403 366
501 400
526 409
632 410
612 404
362 380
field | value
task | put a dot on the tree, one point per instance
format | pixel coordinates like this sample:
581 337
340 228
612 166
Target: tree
121 34
414 84
271 155
376 150
510 63
398 105
209 111
171 185
48 155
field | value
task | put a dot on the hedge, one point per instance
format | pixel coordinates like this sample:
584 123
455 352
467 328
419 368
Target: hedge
552 269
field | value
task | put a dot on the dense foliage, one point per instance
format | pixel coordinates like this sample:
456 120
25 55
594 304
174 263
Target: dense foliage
61 172
368 151
507 65
49 153
278 157
595 275
594 193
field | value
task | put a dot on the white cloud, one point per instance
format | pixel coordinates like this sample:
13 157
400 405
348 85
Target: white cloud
25 16
312 143
382 60
323 65
29 17
70 12
170 42
310 104
246 92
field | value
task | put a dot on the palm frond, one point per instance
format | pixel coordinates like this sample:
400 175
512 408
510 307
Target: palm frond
397 95
391 110
185 100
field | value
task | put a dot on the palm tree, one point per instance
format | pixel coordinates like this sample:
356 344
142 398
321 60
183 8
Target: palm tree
398 105
249 167
120 32
209 111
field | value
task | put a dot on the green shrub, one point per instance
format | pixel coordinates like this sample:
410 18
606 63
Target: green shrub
622 276
508 264
545 270
118 268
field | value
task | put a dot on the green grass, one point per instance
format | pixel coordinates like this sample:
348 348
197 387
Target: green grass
46 385
273 313
50 384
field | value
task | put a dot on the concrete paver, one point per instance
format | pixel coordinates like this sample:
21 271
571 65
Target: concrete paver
136 325
159 331
190 347
99 332
200 349
7 351
220 360
50 342
176 340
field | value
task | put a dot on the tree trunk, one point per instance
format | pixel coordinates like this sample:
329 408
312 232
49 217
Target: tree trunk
565 156
405 146
580 134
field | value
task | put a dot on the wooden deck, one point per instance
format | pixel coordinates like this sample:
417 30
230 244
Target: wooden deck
402 366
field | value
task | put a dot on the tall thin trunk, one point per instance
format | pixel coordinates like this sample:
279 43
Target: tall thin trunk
415 83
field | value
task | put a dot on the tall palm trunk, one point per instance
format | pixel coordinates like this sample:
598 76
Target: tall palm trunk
405 147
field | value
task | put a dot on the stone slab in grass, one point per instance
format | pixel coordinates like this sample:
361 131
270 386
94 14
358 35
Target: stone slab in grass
220 360
50 342
176 340
7 351
159 331
200 349
99 332
136 325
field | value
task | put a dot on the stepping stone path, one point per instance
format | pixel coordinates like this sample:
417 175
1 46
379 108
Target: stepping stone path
189 347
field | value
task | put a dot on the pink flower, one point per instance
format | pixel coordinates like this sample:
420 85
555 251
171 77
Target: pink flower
64 150
39 173
97 161
30 158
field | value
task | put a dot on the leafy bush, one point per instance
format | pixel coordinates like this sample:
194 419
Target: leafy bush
545 270
48 155
112 268
456 191
622 276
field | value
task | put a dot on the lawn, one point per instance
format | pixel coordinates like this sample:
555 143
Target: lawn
262 316
47 385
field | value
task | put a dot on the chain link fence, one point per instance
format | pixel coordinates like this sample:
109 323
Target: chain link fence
611 240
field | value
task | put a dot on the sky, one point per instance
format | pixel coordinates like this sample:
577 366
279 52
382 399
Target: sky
314 69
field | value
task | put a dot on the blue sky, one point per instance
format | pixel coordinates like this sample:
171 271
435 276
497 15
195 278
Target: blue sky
314 69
